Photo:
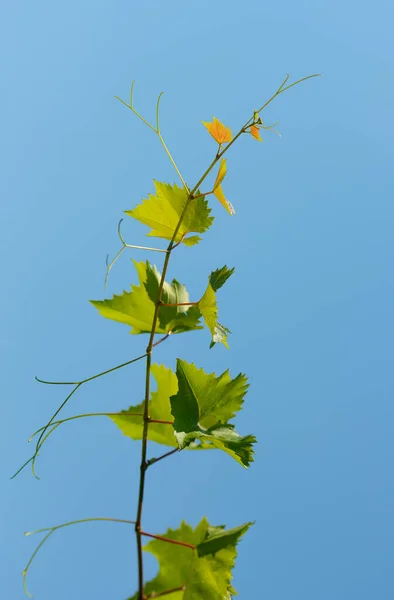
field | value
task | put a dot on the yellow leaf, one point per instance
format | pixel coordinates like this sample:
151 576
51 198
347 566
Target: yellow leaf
218 131
221 173
217 188
255 133
223 200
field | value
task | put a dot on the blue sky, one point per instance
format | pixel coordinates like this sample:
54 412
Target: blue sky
310 305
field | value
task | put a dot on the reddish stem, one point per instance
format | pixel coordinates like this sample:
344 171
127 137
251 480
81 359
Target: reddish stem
202 195
164 539
163 339
177 589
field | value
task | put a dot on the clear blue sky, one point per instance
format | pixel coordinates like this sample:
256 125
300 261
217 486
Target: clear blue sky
310 306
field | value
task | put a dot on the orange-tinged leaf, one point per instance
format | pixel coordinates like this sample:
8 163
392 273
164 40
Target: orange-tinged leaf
221 173
218 131
223 200
255 133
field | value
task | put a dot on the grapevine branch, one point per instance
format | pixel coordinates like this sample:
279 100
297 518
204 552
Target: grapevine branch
219 154
44 432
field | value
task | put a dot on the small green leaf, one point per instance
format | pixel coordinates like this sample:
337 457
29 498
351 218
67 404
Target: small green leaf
223 438
205 572
202 408
220 335
161 211
219 277
218 538
209 309
192 240
136 308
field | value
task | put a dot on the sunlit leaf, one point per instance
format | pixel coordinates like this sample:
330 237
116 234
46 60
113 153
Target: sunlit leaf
199 406
191 240
217 187
218 131
219 277
136 308
223 200
220 335
221 173
161 211
255 131
204 572
218 538
208 306
202 408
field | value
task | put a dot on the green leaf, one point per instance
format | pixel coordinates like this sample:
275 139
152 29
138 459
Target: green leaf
202 408
192 240
223 438
218 538
136 308
205 572
159 408
209 309
220 335
219 277
198 425
163 210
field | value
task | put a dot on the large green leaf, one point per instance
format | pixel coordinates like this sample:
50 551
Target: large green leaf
208 306
136 308
205 573
202 405
159 408
202 408
161 211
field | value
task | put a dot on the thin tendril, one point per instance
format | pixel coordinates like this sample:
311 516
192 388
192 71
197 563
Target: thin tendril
51 421
57 423
63 404
52 530
25 570
100 414
124 246
155 129
157 111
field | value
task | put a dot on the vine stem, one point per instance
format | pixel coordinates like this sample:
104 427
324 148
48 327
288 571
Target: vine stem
144 464
152 461
221 151
168 540
182 588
